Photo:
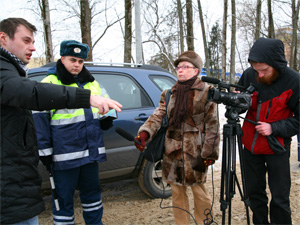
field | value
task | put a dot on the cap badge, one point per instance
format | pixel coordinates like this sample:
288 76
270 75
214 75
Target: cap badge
77 50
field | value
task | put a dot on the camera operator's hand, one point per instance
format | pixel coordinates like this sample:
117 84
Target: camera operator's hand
264 129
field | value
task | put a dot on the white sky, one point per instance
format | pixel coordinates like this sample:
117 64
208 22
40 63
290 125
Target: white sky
110 47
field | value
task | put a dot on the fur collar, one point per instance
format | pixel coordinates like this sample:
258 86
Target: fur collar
67 78
198 84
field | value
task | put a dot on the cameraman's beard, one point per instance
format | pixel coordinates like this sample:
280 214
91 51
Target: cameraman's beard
268 79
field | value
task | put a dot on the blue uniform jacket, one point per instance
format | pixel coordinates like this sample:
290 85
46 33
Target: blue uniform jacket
72 136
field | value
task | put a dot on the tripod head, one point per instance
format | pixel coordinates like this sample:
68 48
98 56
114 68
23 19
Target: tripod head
232 113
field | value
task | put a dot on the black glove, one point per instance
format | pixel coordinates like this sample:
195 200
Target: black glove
106 123
46 160
201 164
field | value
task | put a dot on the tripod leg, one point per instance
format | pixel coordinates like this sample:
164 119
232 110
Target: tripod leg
224 203
226 178
245 197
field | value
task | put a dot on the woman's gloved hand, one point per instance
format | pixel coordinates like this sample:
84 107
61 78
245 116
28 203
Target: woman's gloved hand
142 137
201 164
208 162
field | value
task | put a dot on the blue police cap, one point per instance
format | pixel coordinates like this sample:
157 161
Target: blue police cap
74 48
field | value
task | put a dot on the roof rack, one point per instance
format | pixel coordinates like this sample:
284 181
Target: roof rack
113 64
132 65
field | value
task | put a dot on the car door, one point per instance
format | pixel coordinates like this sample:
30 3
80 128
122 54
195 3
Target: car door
138 105
121 153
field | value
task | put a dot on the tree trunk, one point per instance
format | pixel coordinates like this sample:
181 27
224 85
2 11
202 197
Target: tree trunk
271 31
85 25
128 32
258 20
181 40
44 6
189 25
224 31
207 58
233 39
295 18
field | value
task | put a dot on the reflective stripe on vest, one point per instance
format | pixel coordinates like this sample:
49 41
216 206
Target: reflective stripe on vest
70 116
75 155
45 152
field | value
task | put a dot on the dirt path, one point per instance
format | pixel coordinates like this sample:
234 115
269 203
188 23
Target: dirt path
124 202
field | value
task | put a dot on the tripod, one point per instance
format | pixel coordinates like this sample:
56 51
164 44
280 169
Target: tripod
232 132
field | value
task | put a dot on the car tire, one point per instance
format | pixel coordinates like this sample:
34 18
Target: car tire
150 180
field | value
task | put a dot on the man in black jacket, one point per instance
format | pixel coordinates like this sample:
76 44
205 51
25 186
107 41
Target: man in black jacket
21 201
275 107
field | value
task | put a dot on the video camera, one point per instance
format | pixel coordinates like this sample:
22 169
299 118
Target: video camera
242 101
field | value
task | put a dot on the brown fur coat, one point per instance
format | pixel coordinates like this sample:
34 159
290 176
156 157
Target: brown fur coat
196 139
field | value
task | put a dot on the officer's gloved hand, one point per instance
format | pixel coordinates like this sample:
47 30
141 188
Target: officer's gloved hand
142 137
106 123
46 160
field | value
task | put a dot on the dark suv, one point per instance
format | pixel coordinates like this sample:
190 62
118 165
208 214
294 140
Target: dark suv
138 89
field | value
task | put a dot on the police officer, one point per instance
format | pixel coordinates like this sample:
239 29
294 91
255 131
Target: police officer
70 141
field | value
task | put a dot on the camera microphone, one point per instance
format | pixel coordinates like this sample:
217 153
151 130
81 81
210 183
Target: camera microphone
126 135
210 80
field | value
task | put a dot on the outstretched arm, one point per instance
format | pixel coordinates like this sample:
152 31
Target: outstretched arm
104 104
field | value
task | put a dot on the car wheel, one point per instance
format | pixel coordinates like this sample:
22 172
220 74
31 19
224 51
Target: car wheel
150 180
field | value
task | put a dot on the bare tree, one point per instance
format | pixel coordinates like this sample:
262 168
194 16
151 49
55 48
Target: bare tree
271 31
224 32
233 42
85 25
206 52
189 25
88 13
258 20
295 18
180 19
44 7
161 24
128 31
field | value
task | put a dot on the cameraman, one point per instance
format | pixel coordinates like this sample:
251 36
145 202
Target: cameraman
275 106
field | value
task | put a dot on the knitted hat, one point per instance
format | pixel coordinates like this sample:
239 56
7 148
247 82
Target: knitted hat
192 57
74 48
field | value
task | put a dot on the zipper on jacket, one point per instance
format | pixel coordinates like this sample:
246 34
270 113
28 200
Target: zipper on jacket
270 106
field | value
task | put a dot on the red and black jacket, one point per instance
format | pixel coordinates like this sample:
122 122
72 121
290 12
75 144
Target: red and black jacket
277 104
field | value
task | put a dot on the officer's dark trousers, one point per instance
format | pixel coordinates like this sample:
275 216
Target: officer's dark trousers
87 180
277 170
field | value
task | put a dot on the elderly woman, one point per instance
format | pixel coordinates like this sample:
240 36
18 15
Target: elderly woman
192 137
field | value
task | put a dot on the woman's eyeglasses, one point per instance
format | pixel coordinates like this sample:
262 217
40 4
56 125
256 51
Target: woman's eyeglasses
183 67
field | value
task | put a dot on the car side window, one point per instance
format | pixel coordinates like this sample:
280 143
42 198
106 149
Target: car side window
162 82
123 89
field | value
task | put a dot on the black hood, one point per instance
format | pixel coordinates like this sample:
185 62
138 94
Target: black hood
269 51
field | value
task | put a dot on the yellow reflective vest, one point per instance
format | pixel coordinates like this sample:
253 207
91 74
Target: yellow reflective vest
72 136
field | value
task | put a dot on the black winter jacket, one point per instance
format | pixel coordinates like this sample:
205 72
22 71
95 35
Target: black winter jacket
20 180
277 104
